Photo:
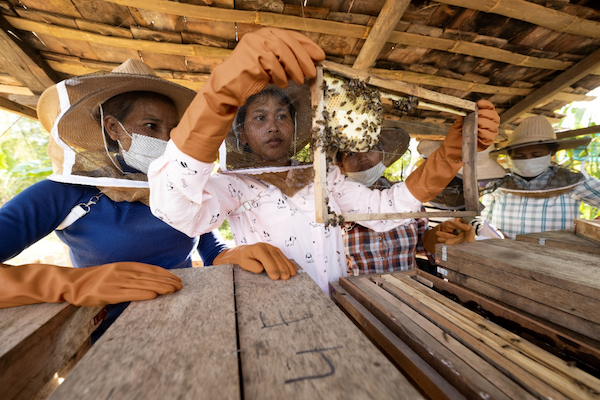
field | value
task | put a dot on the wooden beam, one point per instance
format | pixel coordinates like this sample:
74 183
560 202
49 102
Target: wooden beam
22 63
21 90
134 44
572 75
388 18
18 109
590 130
468 86
533 13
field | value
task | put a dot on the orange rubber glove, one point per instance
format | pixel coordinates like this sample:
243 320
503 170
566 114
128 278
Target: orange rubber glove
258 257
269 55
92 287
453 231
443 164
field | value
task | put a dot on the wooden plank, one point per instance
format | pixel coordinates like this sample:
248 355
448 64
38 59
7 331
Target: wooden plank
541 373
571 271
22 63
590 130
18 109
566 341
551 294
177 346
141 45
295 343
553 315
36 340
536 14
469 157
564 239
429 380
431 214
386 22
567 78
589 229
319 155
421 337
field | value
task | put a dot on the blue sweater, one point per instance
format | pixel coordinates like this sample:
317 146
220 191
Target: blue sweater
110 232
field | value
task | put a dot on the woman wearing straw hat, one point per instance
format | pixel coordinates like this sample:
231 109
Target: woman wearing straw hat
371 252
105 130
538 196
190 198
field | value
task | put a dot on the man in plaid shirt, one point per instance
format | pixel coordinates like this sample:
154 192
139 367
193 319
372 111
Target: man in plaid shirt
538 196
370 252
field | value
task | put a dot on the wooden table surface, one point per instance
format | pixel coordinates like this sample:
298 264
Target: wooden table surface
229 334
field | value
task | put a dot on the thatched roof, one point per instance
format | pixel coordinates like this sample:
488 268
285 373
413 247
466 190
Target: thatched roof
526 57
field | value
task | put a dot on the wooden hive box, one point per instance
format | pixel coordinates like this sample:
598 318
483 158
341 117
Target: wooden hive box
452 352
228 334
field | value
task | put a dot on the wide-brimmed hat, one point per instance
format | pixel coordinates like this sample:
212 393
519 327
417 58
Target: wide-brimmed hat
487 168
236 158
538 130
69 110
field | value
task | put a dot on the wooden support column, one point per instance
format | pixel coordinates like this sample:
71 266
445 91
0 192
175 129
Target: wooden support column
388 18
320 157
572 75
469 156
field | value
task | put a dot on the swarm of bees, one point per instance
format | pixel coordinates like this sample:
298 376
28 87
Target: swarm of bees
406 105
352 116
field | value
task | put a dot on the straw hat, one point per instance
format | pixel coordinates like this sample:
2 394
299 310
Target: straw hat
69 110
487 168
538 130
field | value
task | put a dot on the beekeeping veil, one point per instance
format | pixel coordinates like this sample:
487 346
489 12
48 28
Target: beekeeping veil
71 112
235 157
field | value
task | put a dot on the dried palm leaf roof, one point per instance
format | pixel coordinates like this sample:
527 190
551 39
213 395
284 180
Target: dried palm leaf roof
526 57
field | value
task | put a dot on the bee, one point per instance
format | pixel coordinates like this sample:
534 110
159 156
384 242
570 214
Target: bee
343 104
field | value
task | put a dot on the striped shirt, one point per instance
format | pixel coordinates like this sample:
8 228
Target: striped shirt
369 252
514 214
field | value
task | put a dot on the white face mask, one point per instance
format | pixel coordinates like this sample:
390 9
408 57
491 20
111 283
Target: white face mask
368 177
530 167
143 150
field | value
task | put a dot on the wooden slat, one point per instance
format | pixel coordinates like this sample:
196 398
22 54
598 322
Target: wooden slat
320 158
408 215
429 380
386 22
572 75
588 229
295 343
36 341
534 368
467 376
591 130
469 155
141 45
16 108
566 341
177 346
22 63
536 14
564 239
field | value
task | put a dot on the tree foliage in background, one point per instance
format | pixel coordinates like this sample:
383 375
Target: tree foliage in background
23 156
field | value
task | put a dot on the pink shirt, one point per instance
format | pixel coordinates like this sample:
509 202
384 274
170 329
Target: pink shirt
188 196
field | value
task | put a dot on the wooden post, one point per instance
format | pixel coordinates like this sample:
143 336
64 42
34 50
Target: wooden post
320 156
469 156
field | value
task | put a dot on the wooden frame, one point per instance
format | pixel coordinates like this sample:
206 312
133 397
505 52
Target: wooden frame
438 101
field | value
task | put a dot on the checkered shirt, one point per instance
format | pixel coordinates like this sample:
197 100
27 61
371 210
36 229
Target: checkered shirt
370 252
515 215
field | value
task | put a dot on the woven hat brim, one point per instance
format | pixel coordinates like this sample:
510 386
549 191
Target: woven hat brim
79 126
563 144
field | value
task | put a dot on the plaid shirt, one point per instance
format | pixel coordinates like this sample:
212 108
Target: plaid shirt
370 252
514 214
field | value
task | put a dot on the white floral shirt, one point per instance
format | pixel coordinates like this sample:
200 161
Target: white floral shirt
185 194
